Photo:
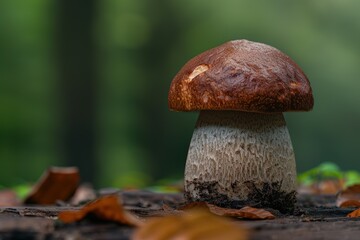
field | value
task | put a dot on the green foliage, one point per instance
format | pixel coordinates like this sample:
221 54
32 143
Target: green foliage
327 171
351 177
22 190
129 180
166 185
163 189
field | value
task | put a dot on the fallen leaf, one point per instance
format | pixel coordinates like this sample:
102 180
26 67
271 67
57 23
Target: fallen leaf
330 187
191 225
54 185
245 212
350 197
106 208
8 198
253 213
354 214
349 203
83 193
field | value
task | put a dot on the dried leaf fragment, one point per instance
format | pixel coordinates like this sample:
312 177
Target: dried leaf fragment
348 203
106 208
354 214
328 187
55 184
83 193
350 197
191 225
8 198
255 213
245 212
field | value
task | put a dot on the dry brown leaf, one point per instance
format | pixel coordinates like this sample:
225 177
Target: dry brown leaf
245 212
83 193
55 184
256 213
354 214
191 225
106 208
330 187
349 203
350 197
8 198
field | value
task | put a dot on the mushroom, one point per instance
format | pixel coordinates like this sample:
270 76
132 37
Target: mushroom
241 152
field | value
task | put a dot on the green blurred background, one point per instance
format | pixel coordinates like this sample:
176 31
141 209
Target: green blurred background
85 82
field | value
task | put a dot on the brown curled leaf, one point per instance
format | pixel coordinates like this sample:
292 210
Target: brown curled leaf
8 198
256 213
354 214
107 208
196 223
55 184
350 197
245 212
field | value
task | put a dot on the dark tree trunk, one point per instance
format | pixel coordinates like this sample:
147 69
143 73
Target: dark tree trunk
78 75
166 31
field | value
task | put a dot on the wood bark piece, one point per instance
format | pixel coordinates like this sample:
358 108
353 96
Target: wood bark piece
54 185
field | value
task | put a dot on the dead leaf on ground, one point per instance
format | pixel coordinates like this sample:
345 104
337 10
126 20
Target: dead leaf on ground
83 193
8 198
350 197
107 208
55 184
190 225
330 187
245 212
354 214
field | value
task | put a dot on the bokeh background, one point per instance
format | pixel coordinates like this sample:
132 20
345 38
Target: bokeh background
85 82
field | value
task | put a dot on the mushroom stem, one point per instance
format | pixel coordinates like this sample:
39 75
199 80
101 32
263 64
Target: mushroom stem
238 158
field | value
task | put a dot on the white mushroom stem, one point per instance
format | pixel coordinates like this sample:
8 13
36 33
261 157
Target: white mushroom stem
234 154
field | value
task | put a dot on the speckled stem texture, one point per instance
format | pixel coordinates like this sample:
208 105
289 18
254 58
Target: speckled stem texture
241 158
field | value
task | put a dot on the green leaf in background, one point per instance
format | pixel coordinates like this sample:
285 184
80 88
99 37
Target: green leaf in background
326 171
351 178
22 190
166 185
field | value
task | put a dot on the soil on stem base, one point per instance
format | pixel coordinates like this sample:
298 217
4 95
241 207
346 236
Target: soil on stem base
268 196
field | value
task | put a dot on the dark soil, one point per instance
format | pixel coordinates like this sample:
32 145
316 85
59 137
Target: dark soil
269 195
315 217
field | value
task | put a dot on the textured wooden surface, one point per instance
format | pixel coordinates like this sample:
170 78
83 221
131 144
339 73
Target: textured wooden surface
316 218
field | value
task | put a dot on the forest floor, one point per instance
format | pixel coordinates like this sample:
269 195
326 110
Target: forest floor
316 217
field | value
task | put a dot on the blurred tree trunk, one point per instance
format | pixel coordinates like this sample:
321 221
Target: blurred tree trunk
77 71
166 29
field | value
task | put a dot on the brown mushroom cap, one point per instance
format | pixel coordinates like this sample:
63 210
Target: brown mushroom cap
244 76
